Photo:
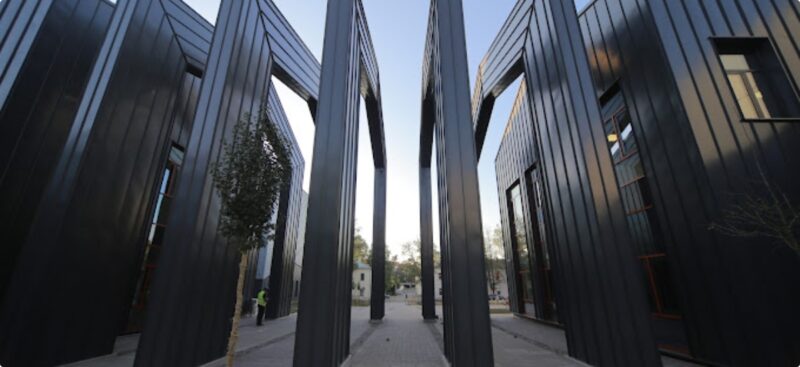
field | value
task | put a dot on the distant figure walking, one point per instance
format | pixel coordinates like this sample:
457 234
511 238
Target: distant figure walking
262 306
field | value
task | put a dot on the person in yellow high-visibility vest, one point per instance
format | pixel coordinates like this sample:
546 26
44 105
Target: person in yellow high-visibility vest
262 305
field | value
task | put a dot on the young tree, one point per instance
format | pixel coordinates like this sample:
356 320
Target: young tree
762 210
254 166
411 267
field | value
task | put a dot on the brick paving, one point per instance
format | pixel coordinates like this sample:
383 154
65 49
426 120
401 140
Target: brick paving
402 339
254 339
518 342
279 353
546 337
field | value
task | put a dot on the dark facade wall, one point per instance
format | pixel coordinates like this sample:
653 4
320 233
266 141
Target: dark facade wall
754 282
20 22
736 296
623 49
697 152
288 224
517 153
599 291
89 205
192 324
84 247
601 295
39 112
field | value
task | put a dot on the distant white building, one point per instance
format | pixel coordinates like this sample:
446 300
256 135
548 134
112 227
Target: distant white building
500 285
362 281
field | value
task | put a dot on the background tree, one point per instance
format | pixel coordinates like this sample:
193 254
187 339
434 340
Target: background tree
361 250
254 166
493 251
410 268
391 272
762 210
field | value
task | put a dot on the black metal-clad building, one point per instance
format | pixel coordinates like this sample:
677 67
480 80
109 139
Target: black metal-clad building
699 109
108 126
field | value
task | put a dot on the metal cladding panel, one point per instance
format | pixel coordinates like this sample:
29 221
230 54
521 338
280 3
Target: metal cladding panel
192 31
86 151
322 337
323 333
203 266
607 314
427 272
41 107
20 23
516 155
741 295
447 118
201 284
504 57
696 152
628 55
90 221
377 301
281 278
601 298
295 65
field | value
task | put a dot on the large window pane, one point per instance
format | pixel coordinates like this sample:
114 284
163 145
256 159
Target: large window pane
758 81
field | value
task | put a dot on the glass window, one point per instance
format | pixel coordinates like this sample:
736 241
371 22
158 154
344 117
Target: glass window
637 201
155 238
757 79
520 244
539 242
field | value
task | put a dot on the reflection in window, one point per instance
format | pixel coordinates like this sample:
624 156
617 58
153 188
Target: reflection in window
520 244
637 201
757 79
539 242
155 238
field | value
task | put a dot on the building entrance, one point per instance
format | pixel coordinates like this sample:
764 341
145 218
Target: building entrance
522 258
544 271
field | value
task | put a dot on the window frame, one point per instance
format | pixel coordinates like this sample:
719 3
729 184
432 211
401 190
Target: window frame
716 41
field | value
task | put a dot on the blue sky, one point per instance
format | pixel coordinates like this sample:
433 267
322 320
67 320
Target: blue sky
398 31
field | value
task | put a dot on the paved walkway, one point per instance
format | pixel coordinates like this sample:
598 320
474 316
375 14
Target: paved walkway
402 339
519 342
280 351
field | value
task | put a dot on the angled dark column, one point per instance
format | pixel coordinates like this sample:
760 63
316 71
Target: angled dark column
195 246
281 279
468 340
349 70
378 248
323 324
426 245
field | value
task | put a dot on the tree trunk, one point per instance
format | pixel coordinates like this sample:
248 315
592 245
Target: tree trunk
237 311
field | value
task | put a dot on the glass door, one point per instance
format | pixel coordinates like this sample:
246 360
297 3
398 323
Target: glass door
522 260
539 241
